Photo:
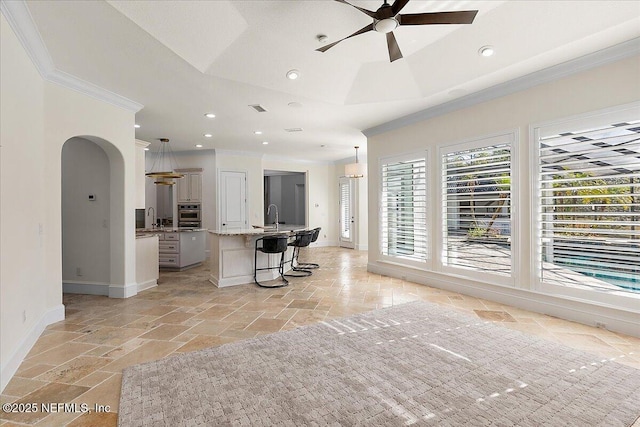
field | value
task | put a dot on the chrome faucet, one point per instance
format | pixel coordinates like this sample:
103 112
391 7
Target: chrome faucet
153 223
269 211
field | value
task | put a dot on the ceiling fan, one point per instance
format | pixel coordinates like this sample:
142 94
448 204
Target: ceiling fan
387 18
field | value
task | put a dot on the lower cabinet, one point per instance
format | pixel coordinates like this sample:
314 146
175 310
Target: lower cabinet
169 250
181 249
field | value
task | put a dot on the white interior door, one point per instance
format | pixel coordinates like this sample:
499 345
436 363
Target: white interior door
347 213
233 200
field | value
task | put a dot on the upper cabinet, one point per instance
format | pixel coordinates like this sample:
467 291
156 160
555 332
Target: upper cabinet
190 187
140 173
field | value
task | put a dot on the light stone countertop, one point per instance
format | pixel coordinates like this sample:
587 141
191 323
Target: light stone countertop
169 230
145 235
258 230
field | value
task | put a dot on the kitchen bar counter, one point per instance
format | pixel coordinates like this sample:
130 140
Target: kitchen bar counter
169 230
232 255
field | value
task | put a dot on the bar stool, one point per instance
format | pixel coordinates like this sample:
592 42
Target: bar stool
300 240
310 265
271 245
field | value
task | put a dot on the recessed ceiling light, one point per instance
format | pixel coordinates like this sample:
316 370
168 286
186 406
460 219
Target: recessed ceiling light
486 51
210 115
294 104
322 38
265 142
207 135
293 74
257 132
146 149
137 126
198 145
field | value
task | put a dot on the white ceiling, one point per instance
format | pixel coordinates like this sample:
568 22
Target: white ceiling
182 59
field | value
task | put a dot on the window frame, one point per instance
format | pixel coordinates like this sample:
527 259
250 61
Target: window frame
510 137
593 119
426 264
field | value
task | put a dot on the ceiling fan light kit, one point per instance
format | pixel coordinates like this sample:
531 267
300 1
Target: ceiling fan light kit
386 25
387 18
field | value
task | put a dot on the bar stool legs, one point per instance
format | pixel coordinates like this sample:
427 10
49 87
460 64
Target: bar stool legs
270 245
310 265
301 240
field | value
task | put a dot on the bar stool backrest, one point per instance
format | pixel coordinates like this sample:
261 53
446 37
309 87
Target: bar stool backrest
302 238
274 244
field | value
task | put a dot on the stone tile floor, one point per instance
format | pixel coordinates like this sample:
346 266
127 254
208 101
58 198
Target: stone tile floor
80 360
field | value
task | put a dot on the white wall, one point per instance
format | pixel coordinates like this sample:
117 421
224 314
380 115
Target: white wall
36 118
606 86
24 279
140 180
86 249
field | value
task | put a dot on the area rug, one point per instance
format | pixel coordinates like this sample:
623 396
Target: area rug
415 363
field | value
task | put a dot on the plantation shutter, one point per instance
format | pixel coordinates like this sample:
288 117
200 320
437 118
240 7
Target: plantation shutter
476 192
404 209
590 207
345 211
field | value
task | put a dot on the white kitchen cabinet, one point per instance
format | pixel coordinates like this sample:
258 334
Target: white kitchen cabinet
178 250
190 187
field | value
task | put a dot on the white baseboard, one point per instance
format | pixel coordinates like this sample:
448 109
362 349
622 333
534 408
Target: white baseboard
147 285
590 314
11 365
90 288
123 291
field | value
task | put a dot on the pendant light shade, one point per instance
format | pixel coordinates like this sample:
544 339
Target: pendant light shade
164 165
355 170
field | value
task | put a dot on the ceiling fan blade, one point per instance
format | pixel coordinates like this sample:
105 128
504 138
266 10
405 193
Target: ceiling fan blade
365 11
394 49
398 5
357 33
462 17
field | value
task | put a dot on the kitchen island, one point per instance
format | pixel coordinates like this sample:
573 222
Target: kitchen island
180 248
146 260
232 255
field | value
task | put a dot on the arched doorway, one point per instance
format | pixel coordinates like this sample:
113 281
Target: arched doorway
92 217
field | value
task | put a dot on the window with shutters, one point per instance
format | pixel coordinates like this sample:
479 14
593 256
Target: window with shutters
477 205
403 207
589 205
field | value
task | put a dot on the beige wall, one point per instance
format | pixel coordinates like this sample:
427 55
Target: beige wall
37 118
599 88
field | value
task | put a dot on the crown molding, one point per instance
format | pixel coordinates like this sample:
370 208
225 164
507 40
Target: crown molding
142 144
17 14
583 63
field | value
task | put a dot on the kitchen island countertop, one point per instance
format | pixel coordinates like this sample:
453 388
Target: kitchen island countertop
258 230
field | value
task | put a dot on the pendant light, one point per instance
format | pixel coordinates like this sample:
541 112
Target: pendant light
162 168
355 170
